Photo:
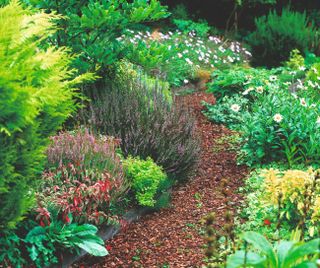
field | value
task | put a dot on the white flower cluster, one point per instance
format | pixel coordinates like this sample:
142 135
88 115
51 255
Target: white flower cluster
193 49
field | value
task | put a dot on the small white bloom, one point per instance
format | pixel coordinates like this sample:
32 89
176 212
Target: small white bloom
318 120
186 81
293 73
235 107
189 61
302 68
259 89
277 118
273 78
180 55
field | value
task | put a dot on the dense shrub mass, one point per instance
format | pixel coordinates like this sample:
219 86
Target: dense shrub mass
147 179
83 180
282 126
148 126
37 96
277 35
91 28
133 138
289 192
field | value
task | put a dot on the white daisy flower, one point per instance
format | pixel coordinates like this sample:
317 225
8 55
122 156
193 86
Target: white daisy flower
259 89
277 118
273 78
235 107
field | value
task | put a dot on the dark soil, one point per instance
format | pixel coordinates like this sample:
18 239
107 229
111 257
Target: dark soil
173 237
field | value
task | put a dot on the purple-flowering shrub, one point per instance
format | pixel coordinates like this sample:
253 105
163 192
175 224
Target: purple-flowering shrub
148 125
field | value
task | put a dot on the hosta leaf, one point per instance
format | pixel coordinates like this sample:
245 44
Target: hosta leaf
93 248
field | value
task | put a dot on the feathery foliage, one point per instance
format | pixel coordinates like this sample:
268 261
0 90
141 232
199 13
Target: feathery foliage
37 95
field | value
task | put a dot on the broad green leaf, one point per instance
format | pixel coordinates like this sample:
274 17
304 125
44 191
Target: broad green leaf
262 244
253 259
282 249
298 252
93 248
306 264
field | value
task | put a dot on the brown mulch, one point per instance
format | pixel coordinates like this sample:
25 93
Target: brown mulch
173 237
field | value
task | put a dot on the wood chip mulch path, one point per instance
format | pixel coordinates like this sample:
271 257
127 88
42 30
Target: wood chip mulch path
173 237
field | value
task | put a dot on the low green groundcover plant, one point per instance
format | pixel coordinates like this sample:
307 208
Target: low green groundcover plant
42 245
231 111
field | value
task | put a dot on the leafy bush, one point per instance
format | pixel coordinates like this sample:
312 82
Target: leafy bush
231 111
277 35
92 27
37 97
147 124
249 82
10 253
146 178
282 126
44 243
83 180
200 28
279 201
284 254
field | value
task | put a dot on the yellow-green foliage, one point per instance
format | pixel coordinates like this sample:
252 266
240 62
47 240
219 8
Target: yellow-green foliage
37 90
296 60
298 192
147 178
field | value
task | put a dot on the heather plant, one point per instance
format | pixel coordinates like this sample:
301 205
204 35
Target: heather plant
84 178
148 125
38 90
147 179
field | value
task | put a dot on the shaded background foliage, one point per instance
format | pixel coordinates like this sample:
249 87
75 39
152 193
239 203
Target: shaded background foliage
216 11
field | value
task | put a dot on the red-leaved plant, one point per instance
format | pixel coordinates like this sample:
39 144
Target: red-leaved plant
83 178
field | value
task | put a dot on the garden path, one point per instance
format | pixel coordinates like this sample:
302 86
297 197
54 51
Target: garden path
173 237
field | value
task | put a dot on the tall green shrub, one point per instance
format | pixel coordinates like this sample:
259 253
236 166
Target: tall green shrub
277 35
36 97
92 28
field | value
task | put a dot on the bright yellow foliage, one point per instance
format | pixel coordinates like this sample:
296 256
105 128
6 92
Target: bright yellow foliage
293 187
